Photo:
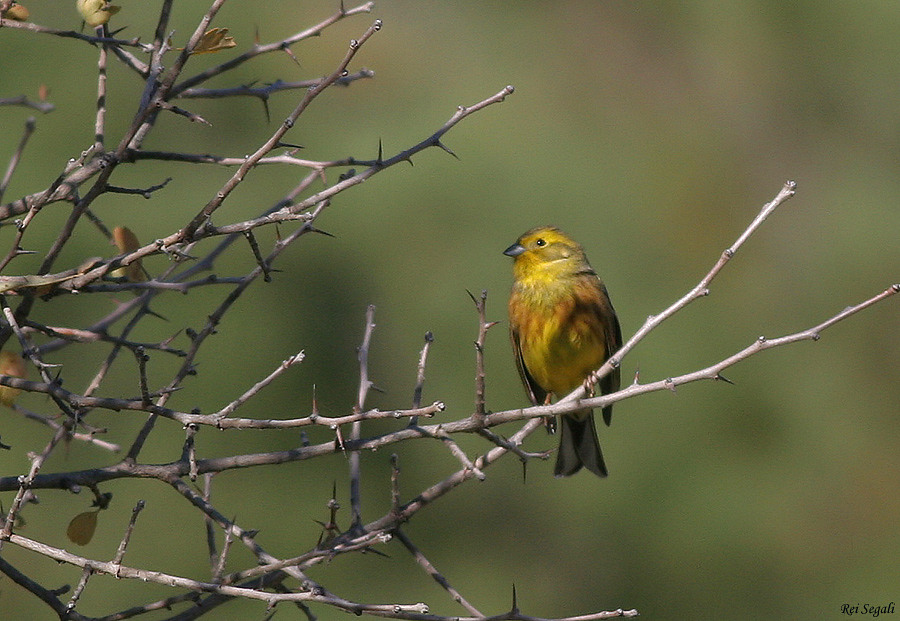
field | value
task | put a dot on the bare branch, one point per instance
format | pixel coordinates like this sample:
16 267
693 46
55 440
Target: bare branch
699 291
30 124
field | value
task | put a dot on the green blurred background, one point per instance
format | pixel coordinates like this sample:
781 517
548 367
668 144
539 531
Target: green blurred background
652 132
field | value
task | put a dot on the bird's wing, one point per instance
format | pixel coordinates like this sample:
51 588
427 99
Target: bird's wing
613 336
537 394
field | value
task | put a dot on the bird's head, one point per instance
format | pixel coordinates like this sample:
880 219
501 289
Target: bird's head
546 252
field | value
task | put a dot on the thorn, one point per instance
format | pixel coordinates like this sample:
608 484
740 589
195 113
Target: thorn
721 377
515 604
153 313
380 158
290 54
445 148
313 229
265 103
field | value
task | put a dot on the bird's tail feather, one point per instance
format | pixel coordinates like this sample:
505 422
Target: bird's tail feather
579 446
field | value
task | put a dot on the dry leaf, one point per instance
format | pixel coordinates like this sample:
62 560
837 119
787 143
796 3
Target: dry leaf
127 241
16 12
12 364
214 40
81 528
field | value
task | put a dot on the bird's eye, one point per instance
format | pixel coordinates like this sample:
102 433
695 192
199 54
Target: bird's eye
541 242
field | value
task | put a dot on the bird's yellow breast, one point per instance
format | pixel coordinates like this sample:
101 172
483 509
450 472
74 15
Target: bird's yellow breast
561 340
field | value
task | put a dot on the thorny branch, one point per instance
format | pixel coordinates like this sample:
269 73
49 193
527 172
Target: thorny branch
270 578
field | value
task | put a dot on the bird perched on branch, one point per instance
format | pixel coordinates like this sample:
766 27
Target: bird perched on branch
563 327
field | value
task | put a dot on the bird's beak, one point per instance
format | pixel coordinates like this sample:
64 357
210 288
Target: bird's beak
515 250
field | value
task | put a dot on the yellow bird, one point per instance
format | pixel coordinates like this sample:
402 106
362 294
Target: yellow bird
96 12
562 327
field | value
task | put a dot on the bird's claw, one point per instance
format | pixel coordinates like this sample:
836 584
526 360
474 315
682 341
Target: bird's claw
590 383
550 424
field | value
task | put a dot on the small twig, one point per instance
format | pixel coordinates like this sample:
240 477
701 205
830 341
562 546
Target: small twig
221 160
88 438
25 483
432 493
395 483
32 354
30 124
330 529
120 551
457 452
100 118
167 604
254 247
483 326
144 192
71 34
229 409
434 573
70 399
219 568
208 522
142 359
86 573
22 100
76 335
513 448
264 92
271 47
191 116
356 427
190 451
420 376
49 597
141 303
244 536
16 246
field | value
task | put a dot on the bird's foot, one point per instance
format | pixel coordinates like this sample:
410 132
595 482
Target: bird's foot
590 383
